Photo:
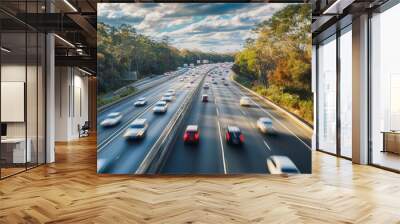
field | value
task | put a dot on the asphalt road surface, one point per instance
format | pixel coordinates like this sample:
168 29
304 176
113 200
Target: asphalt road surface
117 155
212 155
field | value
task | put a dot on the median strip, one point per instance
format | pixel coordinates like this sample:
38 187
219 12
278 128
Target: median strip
156 155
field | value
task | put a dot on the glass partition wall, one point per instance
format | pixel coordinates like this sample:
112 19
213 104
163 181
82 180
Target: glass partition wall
327 95
22 107
345 89
385 89
334 95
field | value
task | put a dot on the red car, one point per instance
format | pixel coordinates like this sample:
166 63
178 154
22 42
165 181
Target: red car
234 135
191 134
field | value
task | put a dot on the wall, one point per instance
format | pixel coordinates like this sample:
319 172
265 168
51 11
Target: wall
17 73
71 102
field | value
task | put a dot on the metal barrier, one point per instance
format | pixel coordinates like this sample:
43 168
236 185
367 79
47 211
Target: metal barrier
153 160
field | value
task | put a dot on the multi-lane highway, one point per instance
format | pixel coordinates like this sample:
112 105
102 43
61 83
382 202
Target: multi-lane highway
212 155
117 155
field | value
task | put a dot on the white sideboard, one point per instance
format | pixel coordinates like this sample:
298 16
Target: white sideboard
19 153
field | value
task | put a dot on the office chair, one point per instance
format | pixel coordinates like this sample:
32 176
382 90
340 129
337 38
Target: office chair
84 130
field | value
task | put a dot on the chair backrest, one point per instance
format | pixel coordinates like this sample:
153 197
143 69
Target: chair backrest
86 125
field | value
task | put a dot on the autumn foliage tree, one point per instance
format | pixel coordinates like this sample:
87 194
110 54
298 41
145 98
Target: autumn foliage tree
278 61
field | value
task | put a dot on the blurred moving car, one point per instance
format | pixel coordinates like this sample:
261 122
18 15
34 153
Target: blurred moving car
234 135
225 84
206 86
160 107
191 134
167 97
136 130
244 101
111 119
204 98
281 165
171 92
215 82
264 124
140 102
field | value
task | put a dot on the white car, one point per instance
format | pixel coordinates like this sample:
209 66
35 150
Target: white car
171 92
111 119
140 102
281 165
245 101
137 129
264 124
166 98
160 107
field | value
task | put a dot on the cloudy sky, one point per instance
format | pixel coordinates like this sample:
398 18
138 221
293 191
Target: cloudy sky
218 27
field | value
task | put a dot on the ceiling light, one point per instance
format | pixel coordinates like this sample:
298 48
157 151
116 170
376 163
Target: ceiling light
337 7
64 40
84 71
5 50
70 5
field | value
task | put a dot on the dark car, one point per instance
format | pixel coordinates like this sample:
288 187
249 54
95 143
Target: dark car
204 98
234 136
191 134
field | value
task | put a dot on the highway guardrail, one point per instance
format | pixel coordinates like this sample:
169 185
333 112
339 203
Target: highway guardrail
296 118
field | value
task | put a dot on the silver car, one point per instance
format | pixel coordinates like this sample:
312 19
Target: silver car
281 165
168 97
137 129
171 92
160 107
111 119
244 101
264 124
140 102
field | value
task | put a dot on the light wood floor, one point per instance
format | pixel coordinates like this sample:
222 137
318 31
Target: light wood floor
70 191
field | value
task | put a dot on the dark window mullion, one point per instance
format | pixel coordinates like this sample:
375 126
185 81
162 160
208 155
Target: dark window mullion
26 87
338 74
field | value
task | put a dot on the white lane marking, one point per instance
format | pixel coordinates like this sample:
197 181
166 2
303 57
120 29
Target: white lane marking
222 147
244 113
266 144
240 91
217 111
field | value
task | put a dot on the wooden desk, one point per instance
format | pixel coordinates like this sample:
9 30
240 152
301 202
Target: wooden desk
391 141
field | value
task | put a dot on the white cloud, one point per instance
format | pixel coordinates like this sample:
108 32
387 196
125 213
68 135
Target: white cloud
207 27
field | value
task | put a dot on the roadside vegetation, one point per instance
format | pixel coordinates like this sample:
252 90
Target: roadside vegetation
277 62
102 100
121 51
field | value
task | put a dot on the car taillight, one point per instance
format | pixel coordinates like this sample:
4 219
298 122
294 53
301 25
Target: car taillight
196 136
241 137
228 136
185 136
